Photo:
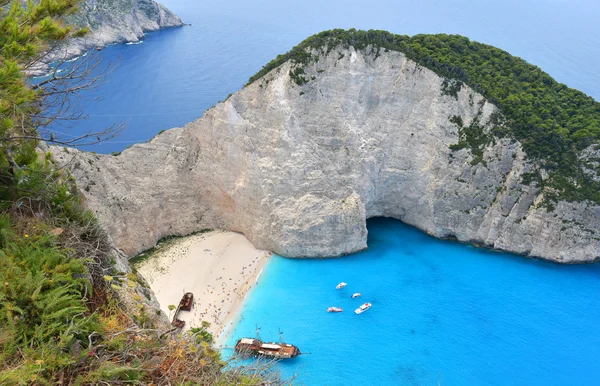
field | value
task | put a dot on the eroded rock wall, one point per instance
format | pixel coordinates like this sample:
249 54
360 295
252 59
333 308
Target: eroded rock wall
299 169
117 21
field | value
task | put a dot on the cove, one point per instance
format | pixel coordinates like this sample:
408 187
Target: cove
443 313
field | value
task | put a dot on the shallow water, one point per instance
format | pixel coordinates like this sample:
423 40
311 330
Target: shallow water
177 74
443 313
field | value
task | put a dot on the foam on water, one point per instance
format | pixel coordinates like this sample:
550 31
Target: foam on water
442 312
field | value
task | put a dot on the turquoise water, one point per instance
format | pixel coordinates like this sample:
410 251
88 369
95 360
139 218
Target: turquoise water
176 74
443 313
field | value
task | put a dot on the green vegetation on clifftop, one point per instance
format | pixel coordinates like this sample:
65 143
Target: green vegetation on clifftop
552 121
67 317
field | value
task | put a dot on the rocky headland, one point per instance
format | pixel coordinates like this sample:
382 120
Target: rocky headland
301 157
115 21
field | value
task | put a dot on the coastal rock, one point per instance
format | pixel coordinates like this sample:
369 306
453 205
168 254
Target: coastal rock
299 168
117 21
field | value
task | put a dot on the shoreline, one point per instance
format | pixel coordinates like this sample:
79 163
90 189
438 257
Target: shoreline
236 310
219 267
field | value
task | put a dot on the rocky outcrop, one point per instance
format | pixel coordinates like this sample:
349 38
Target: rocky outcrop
299 168
117 21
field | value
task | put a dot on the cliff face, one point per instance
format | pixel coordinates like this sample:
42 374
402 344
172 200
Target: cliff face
299 169
117 21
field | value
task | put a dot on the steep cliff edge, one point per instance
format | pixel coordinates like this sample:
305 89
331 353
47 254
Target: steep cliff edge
298 160
117 21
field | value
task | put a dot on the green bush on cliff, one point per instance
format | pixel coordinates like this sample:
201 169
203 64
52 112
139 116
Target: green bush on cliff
60 322
553 122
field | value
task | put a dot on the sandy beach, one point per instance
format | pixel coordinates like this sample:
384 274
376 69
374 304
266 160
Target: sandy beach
218 267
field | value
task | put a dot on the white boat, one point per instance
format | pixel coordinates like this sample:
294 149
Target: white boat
362 308
335 309
341 285
356 295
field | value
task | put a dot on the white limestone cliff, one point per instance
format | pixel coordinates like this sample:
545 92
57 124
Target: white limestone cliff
108 22
299 169
118 21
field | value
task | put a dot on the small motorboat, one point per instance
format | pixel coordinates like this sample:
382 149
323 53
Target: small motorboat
341 285
335 309
362 308
356 295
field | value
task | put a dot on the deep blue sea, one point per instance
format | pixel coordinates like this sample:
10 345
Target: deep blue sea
176 74
443 313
